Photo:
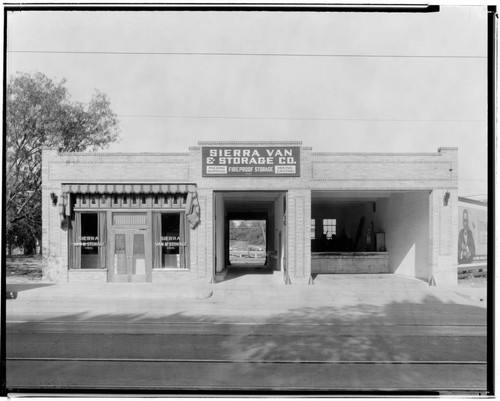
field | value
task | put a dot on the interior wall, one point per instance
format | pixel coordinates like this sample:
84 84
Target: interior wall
278 226
354 213
270 232
407 233
330 211
348 217
219 232
376 211
380 214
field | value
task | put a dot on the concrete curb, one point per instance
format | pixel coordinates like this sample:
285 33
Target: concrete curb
473 294
89 292
337 290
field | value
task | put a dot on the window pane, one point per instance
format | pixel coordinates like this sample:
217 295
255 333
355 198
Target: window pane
89 240
139 258
130 219
170 240
329 227
120 259
313 228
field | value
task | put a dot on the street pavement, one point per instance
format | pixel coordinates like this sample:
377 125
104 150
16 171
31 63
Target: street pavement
249 333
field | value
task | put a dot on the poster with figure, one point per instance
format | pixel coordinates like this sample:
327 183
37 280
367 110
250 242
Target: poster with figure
466 247
473 215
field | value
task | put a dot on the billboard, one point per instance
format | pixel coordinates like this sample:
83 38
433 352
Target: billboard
473 232
272 161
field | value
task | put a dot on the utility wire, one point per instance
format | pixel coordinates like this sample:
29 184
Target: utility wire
124 53
297 118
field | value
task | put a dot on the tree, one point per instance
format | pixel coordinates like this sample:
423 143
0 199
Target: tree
233 230
252 232
40 113
255 232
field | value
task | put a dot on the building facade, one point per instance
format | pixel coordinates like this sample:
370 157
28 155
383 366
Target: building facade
161 217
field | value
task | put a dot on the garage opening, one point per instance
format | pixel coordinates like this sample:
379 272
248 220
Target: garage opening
248 233
370 232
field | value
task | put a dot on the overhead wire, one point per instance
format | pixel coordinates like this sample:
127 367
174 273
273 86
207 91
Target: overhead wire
249 54
278 118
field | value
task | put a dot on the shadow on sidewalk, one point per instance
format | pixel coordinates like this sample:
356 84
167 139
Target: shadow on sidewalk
240 270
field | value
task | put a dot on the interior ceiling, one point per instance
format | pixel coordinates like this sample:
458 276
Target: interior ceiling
250 196
351 194
249 201
248 207
352 197
261 201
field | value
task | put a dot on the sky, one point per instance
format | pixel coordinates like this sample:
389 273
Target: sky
339 82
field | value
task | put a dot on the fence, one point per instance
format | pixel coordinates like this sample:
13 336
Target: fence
479 268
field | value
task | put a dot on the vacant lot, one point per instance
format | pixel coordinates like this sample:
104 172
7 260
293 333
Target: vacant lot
473 282
21 269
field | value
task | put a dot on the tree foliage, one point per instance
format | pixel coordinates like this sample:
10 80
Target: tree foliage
251 231
40 113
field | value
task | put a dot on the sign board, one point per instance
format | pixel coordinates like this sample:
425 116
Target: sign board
264 161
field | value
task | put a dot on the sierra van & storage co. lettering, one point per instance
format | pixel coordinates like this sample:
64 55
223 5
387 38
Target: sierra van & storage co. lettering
252 161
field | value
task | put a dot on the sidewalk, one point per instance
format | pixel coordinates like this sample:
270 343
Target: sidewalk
381 299
259 287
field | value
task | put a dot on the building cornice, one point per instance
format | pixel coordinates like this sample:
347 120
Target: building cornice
250 143
119 154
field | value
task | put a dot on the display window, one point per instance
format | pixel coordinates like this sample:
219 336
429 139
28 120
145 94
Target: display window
169 241
87 247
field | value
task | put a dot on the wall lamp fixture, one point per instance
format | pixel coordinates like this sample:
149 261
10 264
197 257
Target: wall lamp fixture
446 198
53 198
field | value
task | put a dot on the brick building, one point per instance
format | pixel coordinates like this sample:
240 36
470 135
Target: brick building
159 217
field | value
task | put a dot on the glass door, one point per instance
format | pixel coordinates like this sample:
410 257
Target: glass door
129 262
138 256
118 268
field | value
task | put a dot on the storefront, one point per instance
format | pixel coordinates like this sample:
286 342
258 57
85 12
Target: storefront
161 217
127 230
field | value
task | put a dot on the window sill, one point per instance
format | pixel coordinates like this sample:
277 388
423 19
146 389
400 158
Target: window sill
169 269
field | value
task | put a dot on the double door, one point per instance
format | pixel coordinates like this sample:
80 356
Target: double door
130 262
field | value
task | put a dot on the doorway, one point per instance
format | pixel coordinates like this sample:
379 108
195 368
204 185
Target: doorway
246 228
129 259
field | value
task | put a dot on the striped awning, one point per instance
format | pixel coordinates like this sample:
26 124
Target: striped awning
129 188
192 204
